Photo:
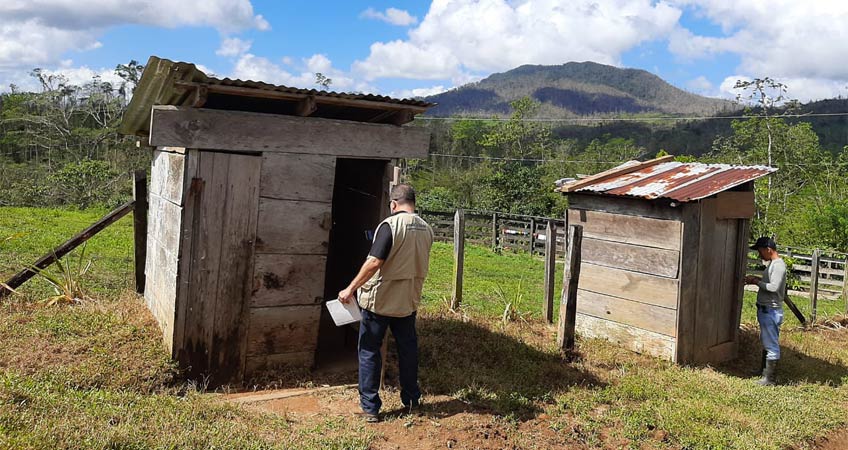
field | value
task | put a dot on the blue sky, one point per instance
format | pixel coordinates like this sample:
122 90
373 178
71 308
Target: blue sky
416 48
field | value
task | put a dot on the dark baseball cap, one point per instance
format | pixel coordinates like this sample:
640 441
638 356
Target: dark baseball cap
764 242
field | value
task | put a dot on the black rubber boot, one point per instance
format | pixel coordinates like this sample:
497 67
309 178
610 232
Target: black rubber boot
759 370
769 373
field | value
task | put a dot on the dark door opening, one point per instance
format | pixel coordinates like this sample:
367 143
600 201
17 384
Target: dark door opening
359 203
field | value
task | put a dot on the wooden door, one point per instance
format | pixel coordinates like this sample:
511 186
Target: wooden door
222 207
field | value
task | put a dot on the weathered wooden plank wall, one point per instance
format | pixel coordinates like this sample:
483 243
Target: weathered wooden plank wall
165 208
628 291
295 208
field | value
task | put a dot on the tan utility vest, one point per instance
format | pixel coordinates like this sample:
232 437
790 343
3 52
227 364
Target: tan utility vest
395 290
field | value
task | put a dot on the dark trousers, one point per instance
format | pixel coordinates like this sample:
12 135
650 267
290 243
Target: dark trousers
372 329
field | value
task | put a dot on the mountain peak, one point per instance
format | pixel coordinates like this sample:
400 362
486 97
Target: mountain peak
574 89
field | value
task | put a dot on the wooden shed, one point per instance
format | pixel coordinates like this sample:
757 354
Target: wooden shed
260 200
663 258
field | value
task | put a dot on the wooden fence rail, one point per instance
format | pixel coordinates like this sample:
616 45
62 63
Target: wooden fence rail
827 280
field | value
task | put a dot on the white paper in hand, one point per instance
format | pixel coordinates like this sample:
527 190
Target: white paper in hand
342 313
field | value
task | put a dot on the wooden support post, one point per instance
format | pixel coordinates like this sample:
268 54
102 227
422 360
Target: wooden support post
532 236
571 279
494 231
62 250
458 257
140 227
794 309
845 283
550 271
814 285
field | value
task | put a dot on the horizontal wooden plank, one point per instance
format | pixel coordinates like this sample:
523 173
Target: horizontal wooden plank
298 177
635 339
281 280
634 286
256 132
265 362
822 270
636 258
641 315
658 208
166 176
293 227
735 205
283 329
627 229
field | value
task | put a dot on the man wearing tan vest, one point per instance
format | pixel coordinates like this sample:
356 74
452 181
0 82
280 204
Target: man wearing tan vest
388 289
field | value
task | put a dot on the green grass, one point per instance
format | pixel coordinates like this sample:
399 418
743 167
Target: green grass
96 376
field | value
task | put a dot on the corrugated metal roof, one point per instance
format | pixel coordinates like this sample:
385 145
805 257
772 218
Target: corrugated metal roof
166 82
677 181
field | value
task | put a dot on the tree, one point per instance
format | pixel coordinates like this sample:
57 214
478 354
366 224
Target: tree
322 80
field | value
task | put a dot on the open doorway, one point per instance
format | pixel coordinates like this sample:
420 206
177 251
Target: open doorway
359 203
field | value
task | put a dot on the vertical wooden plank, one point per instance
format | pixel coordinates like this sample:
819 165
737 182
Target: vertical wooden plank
532 236
845 283
192 189
687 299
550 271
494 230
814 285
458 257
241 209
571 279
206 253
140 227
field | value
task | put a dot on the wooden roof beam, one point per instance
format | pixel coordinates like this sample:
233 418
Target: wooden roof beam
320 99
307 106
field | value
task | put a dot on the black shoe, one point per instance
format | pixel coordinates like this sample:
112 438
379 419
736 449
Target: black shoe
414 408
769 374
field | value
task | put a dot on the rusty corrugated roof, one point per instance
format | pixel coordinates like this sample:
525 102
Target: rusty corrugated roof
166 82
677 181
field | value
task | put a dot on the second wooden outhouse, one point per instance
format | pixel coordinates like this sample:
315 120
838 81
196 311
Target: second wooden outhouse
664 252
261 197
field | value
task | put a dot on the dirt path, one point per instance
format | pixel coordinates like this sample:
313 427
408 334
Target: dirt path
446 423
837 440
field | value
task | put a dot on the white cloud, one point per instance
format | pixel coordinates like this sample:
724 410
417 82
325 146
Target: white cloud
393 16
39 32
473 36
252 67
802 44
233 47
418 92
700 85
803 89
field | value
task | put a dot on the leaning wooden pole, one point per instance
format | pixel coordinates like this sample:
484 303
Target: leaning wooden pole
62 250
571 279
140 227
458 257
550 271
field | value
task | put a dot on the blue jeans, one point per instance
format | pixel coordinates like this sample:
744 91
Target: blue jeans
770 320
372 329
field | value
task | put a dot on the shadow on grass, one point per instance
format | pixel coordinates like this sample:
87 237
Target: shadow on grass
480 368
794 366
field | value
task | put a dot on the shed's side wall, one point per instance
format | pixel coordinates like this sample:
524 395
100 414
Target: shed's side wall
163 238
295 218
628 290
717 305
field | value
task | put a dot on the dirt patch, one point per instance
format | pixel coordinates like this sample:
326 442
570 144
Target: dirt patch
837 440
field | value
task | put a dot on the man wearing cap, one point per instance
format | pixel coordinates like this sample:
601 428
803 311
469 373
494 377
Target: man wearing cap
388 288
769 305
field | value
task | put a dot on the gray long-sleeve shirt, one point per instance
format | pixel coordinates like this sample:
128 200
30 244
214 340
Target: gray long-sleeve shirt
773 285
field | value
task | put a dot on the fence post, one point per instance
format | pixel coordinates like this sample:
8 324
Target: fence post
550 270
494 231
814 285
571 279
140 227
458 257
532 236
845 283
